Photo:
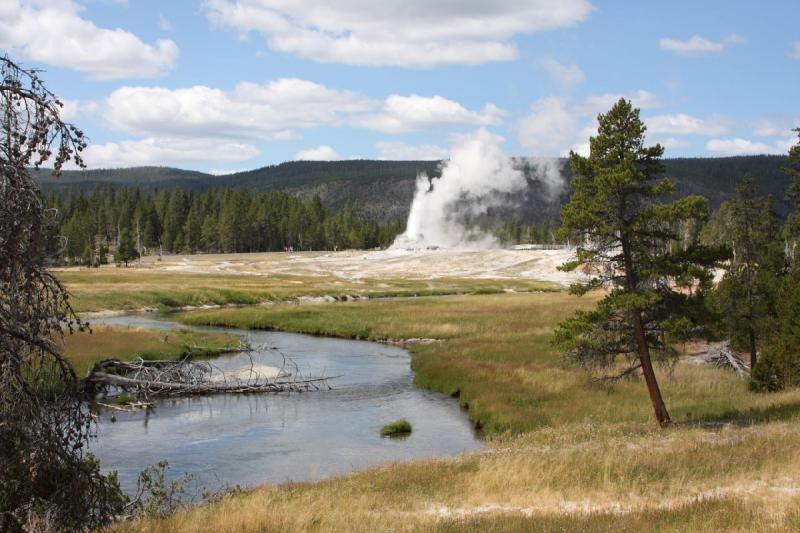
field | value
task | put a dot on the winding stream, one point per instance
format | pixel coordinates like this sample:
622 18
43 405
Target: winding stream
252 439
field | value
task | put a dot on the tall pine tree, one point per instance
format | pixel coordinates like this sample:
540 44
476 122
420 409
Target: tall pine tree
626 230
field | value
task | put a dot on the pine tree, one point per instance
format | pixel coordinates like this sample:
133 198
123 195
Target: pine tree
748 225
791 229
617 213
126 252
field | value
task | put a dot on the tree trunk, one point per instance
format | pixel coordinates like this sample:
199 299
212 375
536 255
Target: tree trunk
662 416
753 352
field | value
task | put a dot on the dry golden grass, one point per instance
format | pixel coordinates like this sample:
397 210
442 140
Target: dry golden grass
583 477
561 456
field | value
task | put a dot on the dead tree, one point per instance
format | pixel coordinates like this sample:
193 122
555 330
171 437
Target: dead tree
46 481
152 379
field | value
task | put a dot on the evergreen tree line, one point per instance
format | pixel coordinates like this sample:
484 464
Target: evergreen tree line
758 298
131 222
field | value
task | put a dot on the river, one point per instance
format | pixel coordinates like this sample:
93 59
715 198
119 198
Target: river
257 438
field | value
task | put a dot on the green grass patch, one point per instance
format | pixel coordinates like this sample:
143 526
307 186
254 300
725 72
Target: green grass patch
85 348
396 428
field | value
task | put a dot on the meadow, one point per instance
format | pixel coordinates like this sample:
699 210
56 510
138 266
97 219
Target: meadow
562 454
84 348
134 289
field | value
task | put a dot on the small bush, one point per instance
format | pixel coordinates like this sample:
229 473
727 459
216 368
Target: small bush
398 427
125 399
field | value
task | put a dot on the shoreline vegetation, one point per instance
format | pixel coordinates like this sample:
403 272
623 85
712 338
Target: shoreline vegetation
85 348
560 453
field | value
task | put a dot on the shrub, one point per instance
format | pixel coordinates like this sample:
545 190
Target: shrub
398 427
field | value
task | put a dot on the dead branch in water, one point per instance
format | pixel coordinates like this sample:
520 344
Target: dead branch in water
185 377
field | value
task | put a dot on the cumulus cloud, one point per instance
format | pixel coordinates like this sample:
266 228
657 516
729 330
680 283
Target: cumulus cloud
774 126
320 153
400 114
412 33
600 103
166 151
740 146
682 124
550 129
565 75
277 109
400 151
53 32
696 45
671 143
555 126
272 110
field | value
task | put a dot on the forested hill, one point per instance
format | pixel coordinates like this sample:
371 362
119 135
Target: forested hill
383 190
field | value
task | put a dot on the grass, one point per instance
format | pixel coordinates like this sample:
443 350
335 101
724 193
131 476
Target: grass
561 456
83 349
497 357
398 427
592 477
131 288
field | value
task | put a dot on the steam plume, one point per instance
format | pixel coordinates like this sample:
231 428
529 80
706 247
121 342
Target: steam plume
477 178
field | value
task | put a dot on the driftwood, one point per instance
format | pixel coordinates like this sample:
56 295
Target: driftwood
721 355
185 377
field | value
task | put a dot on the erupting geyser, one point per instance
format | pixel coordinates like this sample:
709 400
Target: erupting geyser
477 177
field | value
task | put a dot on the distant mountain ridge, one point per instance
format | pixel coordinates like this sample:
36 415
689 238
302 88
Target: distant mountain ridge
383 190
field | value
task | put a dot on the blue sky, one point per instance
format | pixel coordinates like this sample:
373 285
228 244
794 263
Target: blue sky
222 85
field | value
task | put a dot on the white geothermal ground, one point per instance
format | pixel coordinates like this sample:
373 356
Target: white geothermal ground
388 264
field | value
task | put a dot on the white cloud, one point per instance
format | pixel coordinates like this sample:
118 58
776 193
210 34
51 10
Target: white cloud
270 111
414 113
70 111
696 45
166 150
565 75
53 32
795 54
550 129
320 153
682 124
600 103
164 23
226 171
783 145
774 126
671 143
400 151
412 33
740 146
277 109
554 127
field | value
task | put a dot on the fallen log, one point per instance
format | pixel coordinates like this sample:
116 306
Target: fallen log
720 355
184 377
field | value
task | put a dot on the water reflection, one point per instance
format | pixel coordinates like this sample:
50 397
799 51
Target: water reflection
251 439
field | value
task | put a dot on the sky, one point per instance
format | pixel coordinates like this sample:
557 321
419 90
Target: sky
228 85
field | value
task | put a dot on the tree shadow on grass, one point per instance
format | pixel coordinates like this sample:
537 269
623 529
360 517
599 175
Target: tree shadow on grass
747 417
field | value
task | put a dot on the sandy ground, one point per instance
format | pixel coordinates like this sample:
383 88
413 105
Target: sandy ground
389 264
255 373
